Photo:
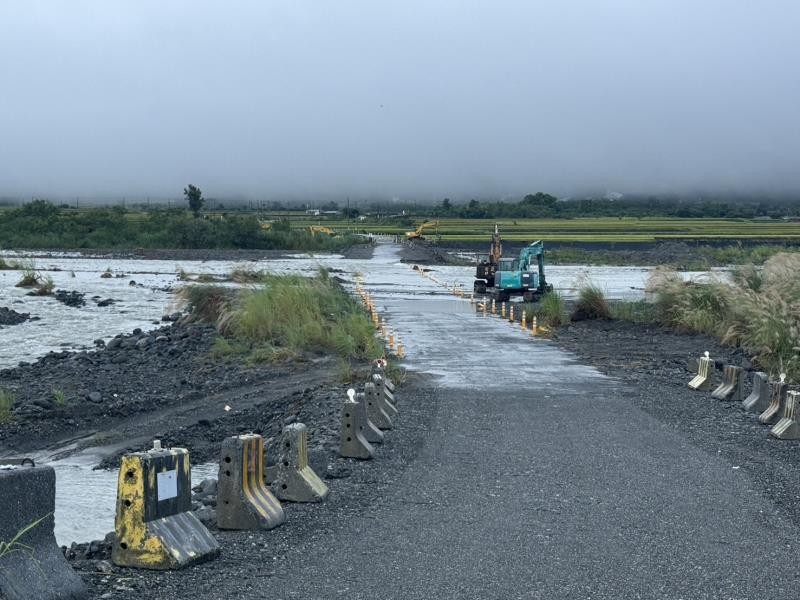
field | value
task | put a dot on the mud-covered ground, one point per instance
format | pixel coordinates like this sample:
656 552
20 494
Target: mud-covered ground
161 384
424 253
655 362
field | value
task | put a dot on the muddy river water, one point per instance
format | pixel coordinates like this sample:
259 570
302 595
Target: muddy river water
451 347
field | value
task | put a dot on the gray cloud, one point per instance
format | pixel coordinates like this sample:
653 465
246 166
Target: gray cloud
397 98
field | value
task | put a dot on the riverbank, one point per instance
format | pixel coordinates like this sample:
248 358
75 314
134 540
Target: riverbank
653 362
164 384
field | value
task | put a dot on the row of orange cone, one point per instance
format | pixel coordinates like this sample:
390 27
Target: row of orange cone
391 337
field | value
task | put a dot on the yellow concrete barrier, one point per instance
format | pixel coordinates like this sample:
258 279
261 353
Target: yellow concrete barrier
154 525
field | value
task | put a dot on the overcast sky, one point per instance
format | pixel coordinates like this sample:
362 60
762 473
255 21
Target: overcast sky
264 98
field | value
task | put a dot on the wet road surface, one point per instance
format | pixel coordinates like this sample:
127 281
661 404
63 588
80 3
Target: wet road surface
537 481
525 475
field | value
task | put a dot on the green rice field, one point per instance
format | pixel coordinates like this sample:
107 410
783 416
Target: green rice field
600 230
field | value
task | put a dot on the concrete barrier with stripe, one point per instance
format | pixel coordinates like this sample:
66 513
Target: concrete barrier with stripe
32 565
704 379
732 384
787 428
376 407
292 478
758 400
243 499
154 525
777 399
387 397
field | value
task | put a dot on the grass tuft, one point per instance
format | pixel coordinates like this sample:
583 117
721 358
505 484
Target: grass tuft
242 275
591 304
759 310
45 287
59 397
552 310
7 399
286 316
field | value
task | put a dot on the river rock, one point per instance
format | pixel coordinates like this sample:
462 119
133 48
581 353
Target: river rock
114 343
144 342
12 317
70 298
207 515
95 397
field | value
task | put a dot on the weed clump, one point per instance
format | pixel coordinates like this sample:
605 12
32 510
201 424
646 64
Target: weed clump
286 316
7 399
30 278
44 287
59 397
759 310
592 304
552 310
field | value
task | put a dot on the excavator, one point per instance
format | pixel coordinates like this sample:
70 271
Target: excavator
487 265
517 277
417 233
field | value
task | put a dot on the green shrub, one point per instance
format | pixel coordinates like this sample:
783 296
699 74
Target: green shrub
286 316
42 225
7 399
551 310
59 397
45 287
760 310
30 278
206 303
591 304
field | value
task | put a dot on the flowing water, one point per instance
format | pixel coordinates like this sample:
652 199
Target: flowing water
449 347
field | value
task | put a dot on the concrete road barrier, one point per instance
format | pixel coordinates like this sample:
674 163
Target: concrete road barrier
732 385
367 428
292 478
787 428
32 565
704 379
353 444
379 367
379 410
777 400
758 400
243 499
387 397
154 524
